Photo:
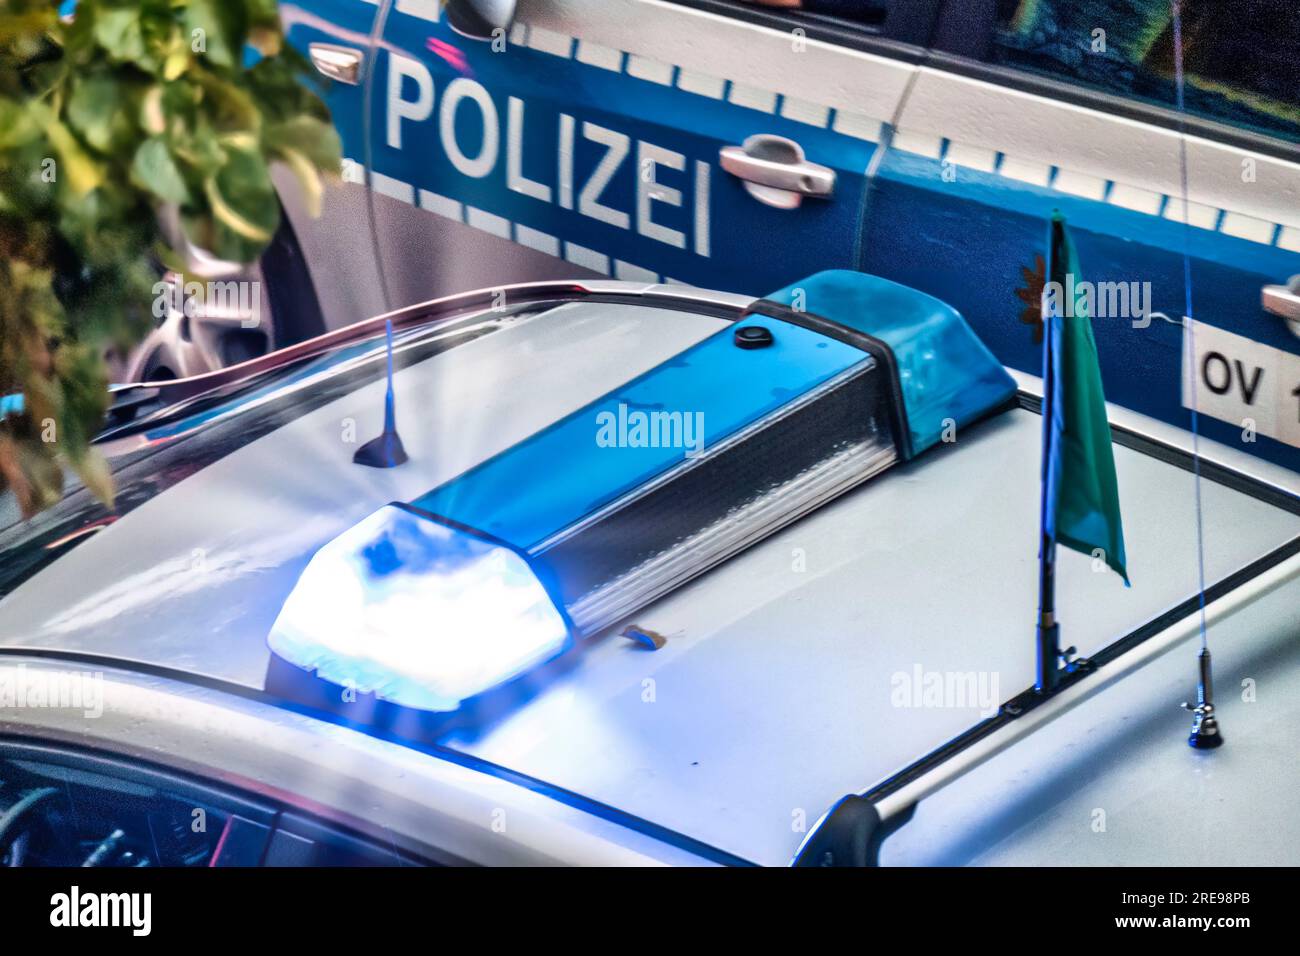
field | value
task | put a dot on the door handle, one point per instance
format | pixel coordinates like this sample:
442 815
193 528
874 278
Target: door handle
341 63
479 19
1284 301
775 171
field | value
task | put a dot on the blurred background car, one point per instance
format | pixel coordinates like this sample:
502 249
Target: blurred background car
736 146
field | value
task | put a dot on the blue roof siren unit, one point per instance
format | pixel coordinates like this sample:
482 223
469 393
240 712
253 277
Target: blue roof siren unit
945 373
608 509
418 612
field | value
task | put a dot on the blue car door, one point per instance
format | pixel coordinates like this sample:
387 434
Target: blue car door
594 133
1046 109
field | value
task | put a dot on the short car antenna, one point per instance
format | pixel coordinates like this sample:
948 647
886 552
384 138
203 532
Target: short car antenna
386 451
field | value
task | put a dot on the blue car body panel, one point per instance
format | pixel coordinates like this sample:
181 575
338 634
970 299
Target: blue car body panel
988 226
713 235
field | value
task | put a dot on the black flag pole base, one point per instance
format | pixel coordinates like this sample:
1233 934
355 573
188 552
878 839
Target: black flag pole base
1049 655
386 451
1056 666
1205 733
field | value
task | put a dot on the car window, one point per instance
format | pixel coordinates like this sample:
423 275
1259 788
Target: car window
837 21
1239 55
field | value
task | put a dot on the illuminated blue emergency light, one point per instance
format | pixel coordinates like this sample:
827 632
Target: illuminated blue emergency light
606 510
417 612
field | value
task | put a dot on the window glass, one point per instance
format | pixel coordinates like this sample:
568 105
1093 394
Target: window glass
1240 56
906 20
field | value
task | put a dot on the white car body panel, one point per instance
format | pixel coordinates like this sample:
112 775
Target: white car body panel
421 804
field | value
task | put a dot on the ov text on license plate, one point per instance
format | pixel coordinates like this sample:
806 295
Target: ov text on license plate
1238 380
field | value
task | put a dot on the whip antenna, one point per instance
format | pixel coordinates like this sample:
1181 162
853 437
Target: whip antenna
1205 733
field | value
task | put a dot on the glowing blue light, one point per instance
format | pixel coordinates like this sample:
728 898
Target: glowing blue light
417 613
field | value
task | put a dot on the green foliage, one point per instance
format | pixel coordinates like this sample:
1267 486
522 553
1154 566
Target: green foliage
106 117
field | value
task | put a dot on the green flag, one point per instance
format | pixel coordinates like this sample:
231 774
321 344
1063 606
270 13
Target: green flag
1080 492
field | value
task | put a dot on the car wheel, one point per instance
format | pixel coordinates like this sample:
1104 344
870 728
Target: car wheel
222 314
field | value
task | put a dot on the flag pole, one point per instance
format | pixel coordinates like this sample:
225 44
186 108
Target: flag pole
1049 631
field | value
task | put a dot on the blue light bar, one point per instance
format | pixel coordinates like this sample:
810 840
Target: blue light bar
418 612
588 520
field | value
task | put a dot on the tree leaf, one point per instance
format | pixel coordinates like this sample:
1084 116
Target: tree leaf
242 195
18 124
19 26
117 30
154 169
220 25
308 178
94 473
231 218
31 472
178 60
13 478
94 110
266 40
315 139
105 116
152 118
230 108
81 171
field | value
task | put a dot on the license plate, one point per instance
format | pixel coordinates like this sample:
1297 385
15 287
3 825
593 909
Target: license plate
1238 380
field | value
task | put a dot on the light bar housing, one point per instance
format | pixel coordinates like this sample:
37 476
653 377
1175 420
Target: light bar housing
767 419
783 428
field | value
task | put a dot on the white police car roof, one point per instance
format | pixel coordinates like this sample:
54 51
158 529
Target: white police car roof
779 687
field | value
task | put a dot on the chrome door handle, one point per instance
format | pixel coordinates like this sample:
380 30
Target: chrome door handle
342 63
1284 301
775 171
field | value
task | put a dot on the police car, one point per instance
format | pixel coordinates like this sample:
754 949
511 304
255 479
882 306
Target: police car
648 574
